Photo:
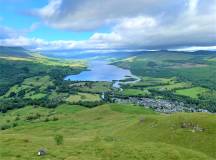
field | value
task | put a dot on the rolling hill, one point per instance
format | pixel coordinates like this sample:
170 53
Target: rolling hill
13 52
41 111
108 132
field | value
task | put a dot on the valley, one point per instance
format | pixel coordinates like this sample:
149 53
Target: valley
107 80
159 110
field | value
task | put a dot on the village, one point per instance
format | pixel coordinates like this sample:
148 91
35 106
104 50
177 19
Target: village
159 105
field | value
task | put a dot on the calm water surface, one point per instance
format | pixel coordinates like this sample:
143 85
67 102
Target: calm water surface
102 71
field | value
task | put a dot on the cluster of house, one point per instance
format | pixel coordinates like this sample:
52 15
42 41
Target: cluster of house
159 105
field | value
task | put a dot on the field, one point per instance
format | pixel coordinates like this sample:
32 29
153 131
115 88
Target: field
135 92
83 97
93 87
181 76
151 81
173 86
164 65
116 132
28 85
191 92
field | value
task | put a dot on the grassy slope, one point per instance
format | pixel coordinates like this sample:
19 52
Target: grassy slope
134 92
15 68
37 58
94 87
83 97
200 69
42 82
172 86
32 71
191 92
117 132
13 51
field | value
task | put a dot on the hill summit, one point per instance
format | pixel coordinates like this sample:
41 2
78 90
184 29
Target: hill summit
13 52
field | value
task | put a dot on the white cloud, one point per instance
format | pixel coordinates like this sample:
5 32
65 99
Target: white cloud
193 5
6 32
151 33
50 9
90 14
22 41
196 48
137 24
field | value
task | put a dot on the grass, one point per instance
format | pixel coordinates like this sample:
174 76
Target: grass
131 109
192 92
167 129
69 109
59 62
38 81
173 86
93 87
83 97
135 92
38 96
45 60
199 70
212 60
15 58
149 81
110 132
28 67
56 95
29 85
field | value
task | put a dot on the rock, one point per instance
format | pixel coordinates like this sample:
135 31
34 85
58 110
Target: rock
194 127
41 152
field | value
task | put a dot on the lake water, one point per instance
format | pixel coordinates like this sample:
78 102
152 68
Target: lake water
99 70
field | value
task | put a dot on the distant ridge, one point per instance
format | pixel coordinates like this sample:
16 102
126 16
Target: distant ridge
13 52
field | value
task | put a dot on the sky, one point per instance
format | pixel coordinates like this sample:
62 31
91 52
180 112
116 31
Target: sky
108 25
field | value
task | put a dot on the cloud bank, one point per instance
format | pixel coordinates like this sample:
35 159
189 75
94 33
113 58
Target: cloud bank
133 24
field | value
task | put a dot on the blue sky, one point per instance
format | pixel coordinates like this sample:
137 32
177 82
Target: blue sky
108 25
14 14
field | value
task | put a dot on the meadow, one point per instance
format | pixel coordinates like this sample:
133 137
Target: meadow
83 97
191 92
110 131
135 92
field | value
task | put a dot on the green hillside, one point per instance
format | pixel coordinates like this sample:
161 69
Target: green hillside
13 52
178 76
70 120
14 68
112 132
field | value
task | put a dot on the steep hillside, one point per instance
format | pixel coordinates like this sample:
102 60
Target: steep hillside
17 64
13 52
